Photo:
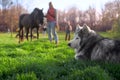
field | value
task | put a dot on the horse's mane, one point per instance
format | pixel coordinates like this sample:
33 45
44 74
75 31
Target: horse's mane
36 10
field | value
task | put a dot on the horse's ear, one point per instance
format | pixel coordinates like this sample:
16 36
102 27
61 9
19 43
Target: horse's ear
35 9
42 9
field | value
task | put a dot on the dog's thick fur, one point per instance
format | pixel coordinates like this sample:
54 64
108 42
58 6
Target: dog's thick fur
89 45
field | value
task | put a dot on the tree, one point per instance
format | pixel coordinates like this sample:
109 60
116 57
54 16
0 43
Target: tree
9 20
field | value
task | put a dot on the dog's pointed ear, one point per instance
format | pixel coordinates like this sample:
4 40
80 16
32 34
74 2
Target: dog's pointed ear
86 28
78 27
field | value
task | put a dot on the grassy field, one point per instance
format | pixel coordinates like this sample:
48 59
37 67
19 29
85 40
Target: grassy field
42 60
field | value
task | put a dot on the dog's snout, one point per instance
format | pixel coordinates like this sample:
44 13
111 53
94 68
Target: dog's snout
69 44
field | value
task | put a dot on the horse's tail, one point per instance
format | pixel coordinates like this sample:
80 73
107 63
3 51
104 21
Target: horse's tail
20 27
20 19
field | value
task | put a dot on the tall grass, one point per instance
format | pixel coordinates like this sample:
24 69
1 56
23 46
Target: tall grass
42 60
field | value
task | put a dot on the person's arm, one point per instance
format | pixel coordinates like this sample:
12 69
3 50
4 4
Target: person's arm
56 18
56 15
70 27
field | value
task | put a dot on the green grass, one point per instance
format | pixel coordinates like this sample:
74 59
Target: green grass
42 60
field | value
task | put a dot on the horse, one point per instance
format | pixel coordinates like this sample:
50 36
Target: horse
30 21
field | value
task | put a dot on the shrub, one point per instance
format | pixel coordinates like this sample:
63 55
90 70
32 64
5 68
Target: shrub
26 76
90 73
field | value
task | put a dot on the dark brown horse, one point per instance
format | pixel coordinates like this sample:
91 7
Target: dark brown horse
30 21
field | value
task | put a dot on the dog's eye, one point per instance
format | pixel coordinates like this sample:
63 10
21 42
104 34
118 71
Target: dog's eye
77 38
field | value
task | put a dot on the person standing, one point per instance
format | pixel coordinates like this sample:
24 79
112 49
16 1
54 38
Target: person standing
51 23
68 29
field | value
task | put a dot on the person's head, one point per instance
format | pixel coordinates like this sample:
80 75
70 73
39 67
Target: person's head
50 5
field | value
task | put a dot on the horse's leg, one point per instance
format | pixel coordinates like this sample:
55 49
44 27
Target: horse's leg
27 31
37 32
31 33
20 37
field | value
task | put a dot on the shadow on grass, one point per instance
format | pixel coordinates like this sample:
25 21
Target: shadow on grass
52 69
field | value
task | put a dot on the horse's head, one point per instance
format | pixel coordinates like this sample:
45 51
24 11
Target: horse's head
38 16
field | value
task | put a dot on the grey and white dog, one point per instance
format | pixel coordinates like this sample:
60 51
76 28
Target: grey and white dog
89 45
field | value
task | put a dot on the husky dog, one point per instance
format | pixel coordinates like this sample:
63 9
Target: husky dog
89 45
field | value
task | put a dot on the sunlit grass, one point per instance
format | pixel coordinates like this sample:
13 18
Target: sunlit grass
42 60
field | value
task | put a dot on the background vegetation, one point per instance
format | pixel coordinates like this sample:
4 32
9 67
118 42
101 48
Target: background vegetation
106 19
